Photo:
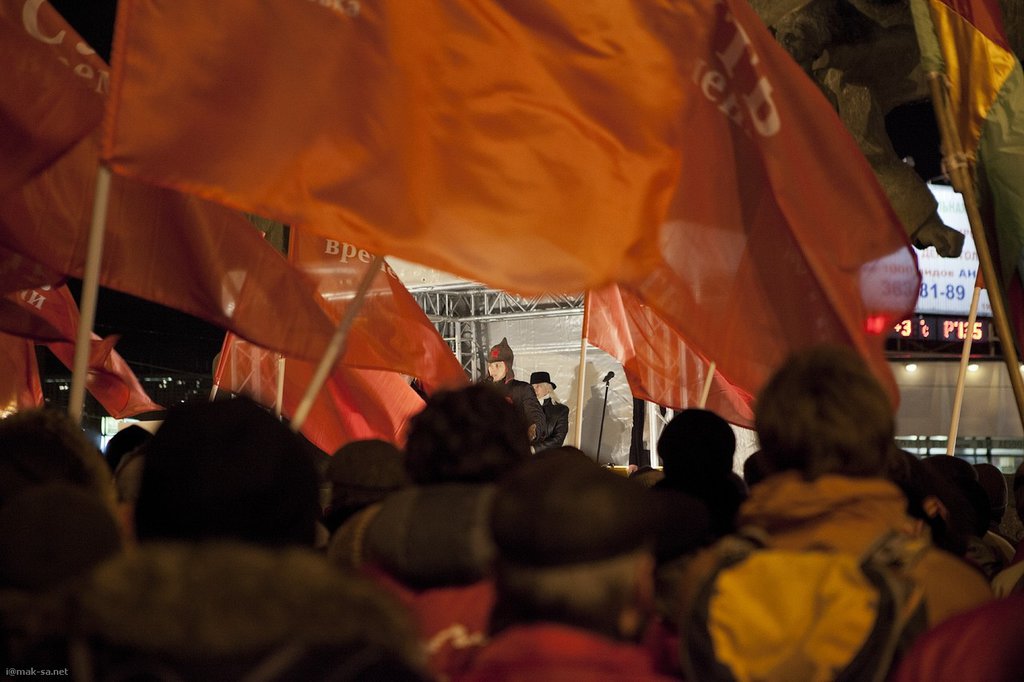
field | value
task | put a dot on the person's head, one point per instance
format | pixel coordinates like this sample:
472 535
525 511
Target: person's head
697 444
969 511
542 384
53 533
823 412
361 473
227 470
756 468
123 442
1018 491
45 445
252 613
472 435
499 361
994 484
574 546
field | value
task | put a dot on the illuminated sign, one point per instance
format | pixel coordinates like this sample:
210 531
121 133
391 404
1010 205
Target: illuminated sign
947 284
939 328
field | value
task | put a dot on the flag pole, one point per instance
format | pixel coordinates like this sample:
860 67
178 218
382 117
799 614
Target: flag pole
334 348
578 423
706 391
279 398
959 172
961 377
90 292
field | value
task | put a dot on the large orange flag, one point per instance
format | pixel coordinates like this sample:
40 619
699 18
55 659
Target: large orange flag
671 147
391 332
195 256
659 365
36 103
110 380
355 404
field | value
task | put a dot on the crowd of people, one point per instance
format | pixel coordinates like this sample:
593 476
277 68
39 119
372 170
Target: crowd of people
221 549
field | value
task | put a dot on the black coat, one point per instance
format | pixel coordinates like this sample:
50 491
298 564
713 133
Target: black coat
525 401
557 417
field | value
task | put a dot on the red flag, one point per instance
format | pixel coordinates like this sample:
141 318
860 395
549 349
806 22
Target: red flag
110 379
20 388
38 95
391 332
175 250
354 404
673 148
658 364
18 273
21 315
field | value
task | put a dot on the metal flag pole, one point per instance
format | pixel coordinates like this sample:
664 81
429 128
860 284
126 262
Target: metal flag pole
90 293
959 173
335 347
600 433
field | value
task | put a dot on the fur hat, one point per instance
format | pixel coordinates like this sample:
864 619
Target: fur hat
54 532
501 353
561 508
542 378
368 468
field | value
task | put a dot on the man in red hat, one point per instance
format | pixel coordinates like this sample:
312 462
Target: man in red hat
520 393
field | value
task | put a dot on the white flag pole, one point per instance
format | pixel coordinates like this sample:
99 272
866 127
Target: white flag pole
706 391
279 398
581 375
90 292
334 348
961 377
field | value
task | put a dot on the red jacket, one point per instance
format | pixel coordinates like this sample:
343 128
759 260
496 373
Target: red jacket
451 620
548 652
982 644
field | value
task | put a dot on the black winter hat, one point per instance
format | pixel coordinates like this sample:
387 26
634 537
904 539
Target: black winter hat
561 508
542 378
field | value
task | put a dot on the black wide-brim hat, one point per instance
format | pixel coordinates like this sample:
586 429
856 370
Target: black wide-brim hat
542 378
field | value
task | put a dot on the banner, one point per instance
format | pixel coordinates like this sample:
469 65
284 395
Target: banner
36 101
391 332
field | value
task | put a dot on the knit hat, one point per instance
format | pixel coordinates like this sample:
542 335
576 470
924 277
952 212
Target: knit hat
542 378
501 353
561 508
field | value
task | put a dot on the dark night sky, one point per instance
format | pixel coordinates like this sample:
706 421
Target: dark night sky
156 336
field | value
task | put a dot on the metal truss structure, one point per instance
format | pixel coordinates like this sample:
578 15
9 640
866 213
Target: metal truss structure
459 312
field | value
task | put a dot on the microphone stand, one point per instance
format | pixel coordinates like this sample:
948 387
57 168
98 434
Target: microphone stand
604 408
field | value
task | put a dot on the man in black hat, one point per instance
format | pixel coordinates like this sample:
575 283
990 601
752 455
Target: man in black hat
520 393
555 413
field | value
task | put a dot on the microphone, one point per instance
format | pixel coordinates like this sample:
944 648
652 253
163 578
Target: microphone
608 377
